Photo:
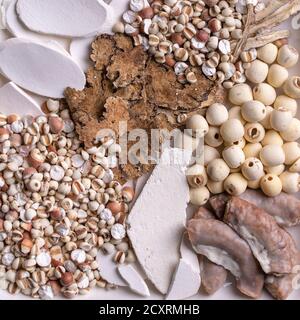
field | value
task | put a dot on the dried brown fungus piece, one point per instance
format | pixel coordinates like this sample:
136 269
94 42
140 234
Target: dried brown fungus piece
146 94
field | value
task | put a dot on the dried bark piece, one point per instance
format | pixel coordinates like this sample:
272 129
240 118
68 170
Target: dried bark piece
102 50
272 246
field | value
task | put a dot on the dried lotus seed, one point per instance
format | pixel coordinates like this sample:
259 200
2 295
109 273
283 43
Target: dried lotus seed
272 155
266 121
293 131
198 125
252 150
216 114
272 137
199 196
234 156
264 93
235 184
252 169
196 176
277 170
215 187
232 130
290 181
287 103
291 151
253 111
240 93
258 71
271 185
281 119
213 138
218 170
254 132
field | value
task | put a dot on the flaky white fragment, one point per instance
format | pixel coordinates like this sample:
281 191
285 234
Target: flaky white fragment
188 254
157 219
49 75
15 100
69 18
108 269
186 282
134 280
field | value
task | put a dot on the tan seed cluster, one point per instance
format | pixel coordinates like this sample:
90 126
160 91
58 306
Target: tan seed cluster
59 204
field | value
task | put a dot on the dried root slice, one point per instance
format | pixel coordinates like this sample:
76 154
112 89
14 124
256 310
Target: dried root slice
273 247
265 38
223 246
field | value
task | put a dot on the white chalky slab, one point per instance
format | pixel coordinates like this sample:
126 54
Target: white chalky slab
186 282
188 254
108 269
69 18
157 219
80 50
39 68
134 280
14 100
18 29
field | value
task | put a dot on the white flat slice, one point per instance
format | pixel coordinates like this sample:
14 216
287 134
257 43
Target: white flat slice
134 280
108 269
80 50
68 18
39 68
186 282
15 100
188 254
157 219
18 29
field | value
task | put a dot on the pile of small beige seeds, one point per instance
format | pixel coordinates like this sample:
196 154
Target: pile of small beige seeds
59 204
191 33
253 143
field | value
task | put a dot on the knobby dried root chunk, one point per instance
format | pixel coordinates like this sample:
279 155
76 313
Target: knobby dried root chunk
284 208
153 97
213 276
280 287
272 246
223 246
